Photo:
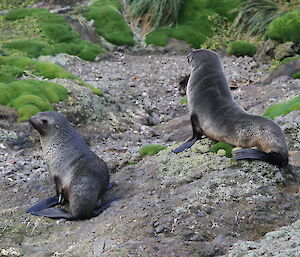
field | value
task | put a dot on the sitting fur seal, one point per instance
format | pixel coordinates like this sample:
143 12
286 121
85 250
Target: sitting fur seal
215 114
80 176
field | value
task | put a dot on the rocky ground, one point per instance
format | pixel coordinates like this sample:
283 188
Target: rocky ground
195 203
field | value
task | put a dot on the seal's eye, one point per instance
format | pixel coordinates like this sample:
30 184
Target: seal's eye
45 122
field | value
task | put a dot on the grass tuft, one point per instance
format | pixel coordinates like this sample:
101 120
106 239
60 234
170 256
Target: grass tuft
296 75
109 22
286 28
241 48
195 24
255 16
154 13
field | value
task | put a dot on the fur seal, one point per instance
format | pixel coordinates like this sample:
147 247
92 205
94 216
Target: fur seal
215 114
81 177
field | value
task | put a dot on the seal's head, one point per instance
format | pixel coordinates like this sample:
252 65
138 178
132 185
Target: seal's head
48 123
202 57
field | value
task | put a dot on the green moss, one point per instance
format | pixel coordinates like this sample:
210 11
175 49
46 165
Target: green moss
241 48
283 108
288 59
286 28
32 48
17 65
222 145
109 22
296 75
12 67
184 100
40 103
158 37
151 149
31 96
27 111
54 35
22 13
9 4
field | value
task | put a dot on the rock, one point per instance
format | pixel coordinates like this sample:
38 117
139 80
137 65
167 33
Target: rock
8 113
194 203
282 242
221 152
287 69
61 59
290 123
265 52
83 28
286 49
182 84
176 46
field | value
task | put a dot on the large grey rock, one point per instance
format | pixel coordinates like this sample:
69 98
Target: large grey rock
283 242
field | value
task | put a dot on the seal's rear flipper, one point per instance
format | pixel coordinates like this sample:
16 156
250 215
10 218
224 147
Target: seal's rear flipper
273 158
186 145
54 213
104 206
44 204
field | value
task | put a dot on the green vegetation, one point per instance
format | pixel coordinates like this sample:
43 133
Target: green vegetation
184 100
255 15
154 13
151 149
10 4
286 28
195 24
296 75
31 96
52 35
109 22
13 67
288 59
31 48
241 48
283 108
222 145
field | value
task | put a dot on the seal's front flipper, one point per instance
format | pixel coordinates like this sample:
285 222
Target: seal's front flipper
104 206
54 213
273 158
44 204
186 145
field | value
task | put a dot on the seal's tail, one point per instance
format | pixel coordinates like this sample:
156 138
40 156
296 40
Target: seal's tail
273 158
186 145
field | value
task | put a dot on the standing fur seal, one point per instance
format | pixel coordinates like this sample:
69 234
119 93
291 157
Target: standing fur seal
81 177
214 113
